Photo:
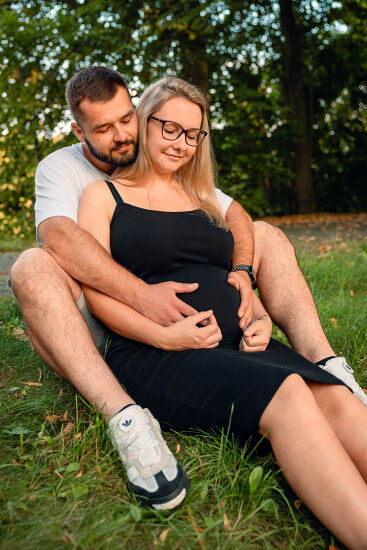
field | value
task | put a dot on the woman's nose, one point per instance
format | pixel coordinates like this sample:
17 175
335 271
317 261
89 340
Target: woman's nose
180 142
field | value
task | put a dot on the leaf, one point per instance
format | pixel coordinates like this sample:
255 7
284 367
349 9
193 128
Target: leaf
79 490
351 293
255 478
17 431
334 322
61 393
269 506
53 418
163 535
72 467
226 522
297 503
68 428
64 417
19 333
209 522
32 383
135 512
14 388
178 448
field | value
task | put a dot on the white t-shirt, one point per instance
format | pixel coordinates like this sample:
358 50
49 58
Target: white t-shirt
61 178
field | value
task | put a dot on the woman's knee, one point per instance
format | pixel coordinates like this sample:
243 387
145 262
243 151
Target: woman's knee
292 396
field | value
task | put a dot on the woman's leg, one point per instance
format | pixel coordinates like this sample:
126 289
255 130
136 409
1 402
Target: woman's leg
315 463
348 418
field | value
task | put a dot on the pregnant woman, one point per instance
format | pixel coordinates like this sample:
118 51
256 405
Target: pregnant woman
160 218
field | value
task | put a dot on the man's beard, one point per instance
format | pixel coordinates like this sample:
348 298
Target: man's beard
126 160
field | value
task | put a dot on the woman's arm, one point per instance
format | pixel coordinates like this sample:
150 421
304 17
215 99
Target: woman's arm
95 212
257 335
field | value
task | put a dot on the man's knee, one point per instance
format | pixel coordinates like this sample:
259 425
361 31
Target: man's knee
269 237
34 269
25 267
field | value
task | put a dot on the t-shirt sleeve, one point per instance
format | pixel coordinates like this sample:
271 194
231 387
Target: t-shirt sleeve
57 189
224 200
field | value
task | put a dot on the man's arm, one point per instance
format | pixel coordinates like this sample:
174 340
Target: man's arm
240 223
80 255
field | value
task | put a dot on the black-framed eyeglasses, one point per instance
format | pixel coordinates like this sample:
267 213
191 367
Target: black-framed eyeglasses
173 130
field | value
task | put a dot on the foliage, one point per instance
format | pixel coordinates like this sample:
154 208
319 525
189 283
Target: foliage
234 50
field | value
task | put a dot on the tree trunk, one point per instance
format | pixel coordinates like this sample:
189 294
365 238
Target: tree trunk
195 67
298 107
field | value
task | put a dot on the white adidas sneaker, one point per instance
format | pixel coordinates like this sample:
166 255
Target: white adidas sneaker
339 367
153 472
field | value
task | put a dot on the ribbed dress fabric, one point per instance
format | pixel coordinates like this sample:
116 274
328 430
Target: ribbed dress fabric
204 388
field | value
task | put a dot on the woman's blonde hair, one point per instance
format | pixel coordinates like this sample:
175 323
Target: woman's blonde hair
197 175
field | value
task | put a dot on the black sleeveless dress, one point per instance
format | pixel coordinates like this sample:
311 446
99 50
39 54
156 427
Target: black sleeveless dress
195 388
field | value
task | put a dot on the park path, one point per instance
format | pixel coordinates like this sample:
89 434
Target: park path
6 261
309 233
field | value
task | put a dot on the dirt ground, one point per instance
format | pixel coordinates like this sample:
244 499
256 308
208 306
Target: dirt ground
309 233
319 232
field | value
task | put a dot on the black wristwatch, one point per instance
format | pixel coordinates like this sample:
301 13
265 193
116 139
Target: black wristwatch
248 269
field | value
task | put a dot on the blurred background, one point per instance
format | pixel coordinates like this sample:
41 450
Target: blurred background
286 82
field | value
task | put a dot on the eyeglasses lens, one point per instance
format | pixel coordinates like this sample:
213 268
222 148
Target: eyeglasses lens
172 130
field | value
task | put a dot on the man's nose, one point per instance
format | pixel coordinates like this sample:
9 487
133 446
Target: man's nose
119 134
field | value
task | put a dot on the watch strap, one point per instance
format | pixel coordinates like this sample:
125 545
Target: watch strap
248 269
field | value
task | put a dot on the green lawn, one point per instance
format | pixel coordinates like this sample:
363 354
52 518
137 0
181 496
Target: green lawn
62 486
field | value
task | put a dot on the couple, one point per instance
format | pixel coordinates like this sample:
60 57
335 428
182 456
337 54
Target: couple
163 220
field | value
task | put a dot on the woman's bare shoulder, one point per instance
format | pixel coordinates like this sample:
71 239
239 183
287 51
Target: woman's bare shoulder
97 187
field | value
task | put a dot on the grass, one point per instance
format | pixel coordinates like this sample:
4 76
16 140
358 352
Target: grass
16 244
63 486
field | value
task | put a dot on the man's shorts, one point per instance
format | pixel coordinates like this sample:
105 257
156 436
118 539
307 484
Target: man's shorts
97 329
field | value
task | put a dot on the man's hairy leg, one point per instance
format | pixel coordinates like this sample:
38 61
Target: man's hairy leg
285 293
58 333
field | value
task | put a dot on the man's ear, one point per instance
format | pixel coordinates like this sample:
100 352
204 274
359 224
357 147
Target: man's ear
78 132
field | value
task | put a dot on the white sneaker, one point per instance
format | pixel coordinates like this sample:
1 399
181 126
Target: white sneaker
153 472
339 367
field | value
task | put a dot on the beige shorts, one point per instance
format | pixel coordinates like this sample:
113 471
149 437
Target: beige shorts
96 328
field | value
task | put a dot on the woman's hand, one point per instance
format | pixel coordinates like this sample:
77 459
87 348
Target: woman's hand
256 337
186 334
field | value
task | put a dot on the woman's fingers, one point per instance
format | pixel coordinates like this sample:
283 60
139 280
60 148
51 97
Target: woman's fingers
199 318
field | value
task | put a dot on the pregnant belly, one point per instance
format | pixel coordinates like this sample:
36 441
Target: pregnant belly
213 293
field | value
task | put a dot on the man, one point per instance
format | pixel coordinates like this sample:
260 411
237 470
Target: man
46 283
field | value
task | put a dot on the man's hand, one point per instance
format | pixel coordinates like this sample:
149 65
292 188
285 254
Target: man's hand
242 282
159 302
256 337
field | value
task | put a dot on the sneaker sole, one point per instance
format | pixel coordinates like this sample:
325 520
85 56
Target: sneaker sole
172 503
171 500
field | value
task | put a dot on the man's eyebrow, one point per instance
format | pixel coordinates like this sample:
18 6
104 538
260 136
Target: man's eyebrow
129 113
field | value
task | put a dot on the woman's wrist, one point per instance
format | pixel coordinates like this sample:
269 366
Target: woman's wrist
161 338
264 316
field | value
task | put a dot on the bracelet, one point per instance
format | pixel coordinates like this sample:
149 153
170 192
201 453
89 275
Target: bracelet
262 316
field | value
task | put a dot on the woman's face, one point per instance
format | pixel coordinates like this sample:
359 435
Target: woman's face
168 156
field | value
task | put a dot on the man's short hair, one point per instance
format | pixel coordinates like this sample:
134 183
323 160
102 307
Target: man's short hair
96 83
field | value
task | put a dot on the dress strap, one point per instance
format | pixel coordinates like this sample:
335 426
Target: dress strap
115 193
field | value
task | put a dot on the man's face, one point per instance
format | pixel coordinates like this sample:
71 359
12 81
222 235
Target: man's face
110 130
